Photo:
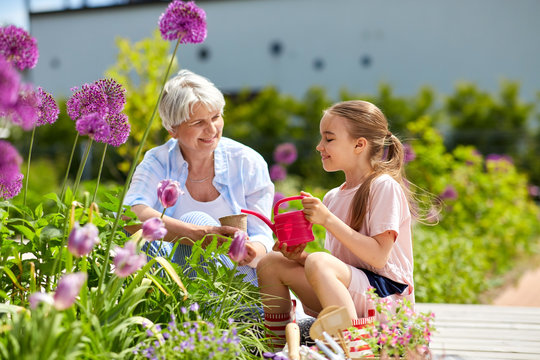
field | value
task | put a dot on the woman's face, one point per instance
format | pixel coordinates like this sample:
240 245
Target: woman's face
201 132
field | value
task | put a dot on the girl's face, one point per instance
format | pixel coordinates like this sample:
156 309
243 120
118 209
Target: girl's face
337 148
201 132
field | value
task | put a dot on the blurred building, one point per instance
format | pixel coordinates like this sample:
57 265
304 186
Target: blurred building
295 44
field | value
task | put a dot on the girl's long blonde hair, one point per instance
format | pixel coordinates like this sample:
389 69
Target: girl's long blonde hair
386 152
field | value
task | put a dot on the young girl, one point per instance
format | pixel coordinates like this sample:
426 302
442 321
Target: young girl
367 221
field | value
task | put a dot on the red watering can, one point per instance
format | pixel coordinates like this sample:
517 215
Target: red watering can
291 228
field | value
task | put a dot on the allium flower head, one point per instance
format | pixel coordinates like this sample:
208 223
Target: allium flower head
24 112
409 154
153 229
87 100
115 94
67 290
168 192
10 175
9 85
48 110
449 193
94 126
238 251
285 153
277 172
183 19
120 129
82 239
128 260
18 47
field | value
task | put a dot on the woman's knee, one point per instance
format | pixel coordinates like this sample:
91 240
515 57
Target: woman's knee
269 263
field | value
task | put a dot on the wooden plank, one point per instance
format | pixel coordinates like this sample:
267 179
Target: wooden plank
484 331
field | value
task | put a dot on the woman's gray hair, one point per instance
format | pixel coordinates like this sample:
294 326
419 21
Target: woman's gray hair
184 91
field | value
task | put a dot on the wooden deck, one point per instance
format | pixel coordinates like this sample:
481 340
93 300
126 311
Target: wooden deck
484 332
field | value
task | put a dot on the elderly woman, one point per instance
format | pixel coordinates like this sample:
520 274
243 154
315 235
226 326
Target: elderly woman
219 176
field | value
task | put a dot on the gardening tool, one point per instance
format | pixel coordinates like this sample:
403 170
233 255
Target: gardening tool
291 228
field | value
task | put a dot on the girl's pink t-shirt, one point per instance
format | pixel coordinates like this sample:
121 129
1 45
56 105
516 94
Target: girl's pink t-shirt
388 209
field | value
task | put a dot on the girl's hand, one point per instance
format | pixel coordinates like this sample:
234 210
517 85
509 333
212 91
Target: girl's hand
295 253
314 210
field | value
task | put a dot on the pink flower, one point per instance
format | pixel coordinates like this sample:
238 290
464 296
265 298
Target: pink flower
67 290
409 154
47 110
285 153
238 251
277 172
36 298
82 239
168 192
128 260
153 229
449 193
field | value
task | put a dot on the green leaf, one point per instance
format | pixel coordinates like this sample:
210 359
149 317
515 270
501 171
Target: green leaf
25 231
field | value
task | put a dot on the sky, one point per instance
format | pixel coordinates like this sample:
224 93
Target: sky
15 12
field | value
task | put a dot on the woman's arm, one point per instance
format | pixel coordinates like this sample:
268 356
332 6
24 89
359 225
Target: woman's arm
181 231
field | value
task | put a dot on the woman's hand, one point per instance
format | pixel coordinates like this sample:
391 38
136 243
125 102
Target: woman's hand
251 253
295 253
314 210
222 232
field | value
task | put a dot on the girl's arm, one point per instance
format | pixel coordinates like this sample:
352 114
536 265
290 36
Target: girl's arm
372 250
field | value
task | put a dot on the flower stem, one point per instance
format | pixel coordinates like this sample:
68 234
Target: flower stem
227 290
99 174
132 169
28 165
68 168
81 168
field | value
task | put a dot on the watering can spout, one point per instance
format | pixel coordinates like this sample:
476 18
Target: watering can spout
262 217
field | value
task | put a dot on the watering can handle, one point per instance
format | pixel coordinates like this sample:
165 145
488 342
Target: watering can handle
279 202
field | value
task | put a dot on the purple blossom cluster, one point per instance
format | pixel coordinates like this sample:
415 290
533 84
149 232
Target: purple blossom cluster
96 109
47 111
196 339
10 175
183 20
128 259
277 172
18 47
285 154
409 154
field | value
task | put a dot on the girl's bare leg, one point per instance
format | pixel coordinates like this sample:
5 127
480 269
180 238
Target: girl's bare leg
277 275
330 277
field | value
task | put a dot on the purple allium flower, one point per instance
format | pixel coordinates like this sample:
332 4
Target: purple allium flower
449 193
285 153
238 251
499 157
24 112
183 19
18 47
168 192
194 307
10 175
67 290
278 196
277 172
120 129
409 154
128 260
48 110
115 94
38 297
82 239
87 100
94 126
153 229
9 85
